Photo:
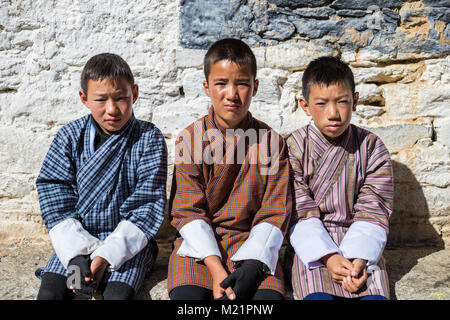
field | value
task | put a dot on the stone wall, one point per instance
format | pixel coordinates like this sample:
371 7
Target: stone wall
398 50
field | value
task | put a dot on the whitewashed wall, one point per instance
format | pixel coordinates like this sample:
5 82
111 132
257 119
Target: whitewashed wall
44 45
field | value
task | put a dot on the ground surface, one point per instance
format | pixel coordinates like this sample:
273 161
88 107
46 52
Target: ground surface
414 273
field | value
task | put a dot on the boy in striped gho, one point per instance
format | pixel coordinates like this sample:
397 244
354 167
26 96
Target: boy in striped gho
231 213
343 192
102 190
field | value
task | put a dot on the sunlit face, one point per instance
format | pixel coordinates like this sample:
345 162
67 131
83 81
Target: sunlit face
331 108
231 88
110 102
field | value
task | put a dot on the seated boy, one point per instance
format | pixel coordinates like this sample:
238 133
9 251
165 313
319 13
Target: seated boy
231 213
102 190
343 192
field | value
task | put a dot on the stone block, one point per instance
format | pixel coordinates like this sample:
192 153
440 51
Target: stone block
369 94
270 83
433 101
192 81
189 58
172 118
401 136
294 55
364 4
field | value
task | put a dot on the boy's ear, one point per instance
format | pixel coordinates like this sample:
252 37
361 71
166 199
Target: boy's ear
255 87
135 93
206 87
83 98
304 104
355 100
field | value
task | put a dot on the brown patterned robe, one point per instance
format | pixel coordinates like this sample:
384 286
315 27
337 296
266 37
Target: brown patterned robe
231 198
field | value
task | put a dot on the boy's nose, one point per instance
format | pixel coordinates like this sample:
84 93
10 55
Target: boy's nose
333 112
111 106
231 92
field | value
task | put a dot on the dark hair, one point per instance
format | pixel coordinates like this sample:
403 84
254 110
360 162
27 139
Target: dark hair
327 71
230 49
105 66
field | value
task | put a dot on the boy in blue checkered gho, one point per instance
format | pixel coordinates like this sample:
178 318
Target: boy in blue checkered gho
102 190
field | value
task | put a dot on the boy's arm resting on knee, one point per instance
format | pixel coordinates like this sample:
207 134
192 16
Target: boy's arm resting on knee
143 211
58 197
307 234
271 221
367 235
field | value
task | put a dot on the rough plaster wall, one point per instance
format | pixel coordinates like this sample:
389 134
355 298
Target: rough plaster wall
401 70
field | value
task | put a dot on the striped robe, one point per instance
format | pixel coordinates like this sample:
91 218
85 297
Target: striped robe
232 199
340 183
124 179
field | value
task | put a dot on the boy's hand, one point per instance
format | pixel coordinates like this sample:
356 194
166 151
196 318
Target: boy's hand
358 277
246 279
86 285
339 267
98 267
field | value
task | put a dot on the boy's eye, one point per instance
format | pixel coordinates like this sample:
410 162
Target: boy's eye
100 100
343 101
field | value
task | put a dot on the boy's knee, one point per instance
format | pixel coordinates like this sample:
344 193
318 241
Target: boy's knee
53 287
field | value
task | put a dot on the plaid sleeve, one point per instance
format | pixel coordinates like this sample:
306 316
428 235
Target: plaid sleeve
56 182
145 206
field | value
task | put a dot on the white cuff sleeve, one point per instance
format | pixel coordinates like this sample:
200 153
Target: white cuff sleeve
263 244
122 244
199 241
311 242
364 240
70 239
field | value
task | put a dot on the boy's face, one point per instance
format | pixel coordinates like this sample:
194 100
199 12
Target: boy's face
331 108
110 102
231 88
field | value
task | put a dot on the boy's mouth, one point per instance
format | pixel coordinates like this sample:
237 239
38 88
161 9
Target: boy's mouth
231 106
112 120
334 127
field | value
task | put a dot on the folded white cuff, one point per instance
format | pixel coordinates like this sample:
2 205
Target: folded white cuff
122 244
199 241
70 239
263 244
311 241
364 240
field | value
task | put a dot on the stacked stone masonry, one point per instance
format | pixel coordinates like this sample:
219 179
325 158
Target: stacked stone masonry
398 50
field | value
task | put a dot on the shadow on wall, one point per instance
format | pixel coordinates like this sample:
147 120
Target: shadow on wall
409 223
411 235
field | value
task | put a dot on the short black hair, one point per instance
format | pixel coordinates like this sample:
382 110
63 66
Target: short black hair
327 71
234 50
105 66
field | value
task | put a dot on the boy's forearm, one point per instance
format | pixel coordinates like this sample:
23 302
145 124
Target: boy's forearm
214 265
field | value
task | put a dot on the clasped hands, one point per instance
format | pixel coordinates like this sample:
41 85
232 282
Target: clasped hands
351 275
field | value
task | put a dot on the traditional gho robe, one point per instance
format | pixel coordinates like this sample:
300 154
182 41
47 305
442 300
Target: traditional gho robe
106 202
228 202
343 197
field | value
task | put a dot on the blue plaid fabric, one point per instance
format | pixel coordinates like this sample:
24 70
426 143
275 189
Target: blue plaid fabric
125 178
